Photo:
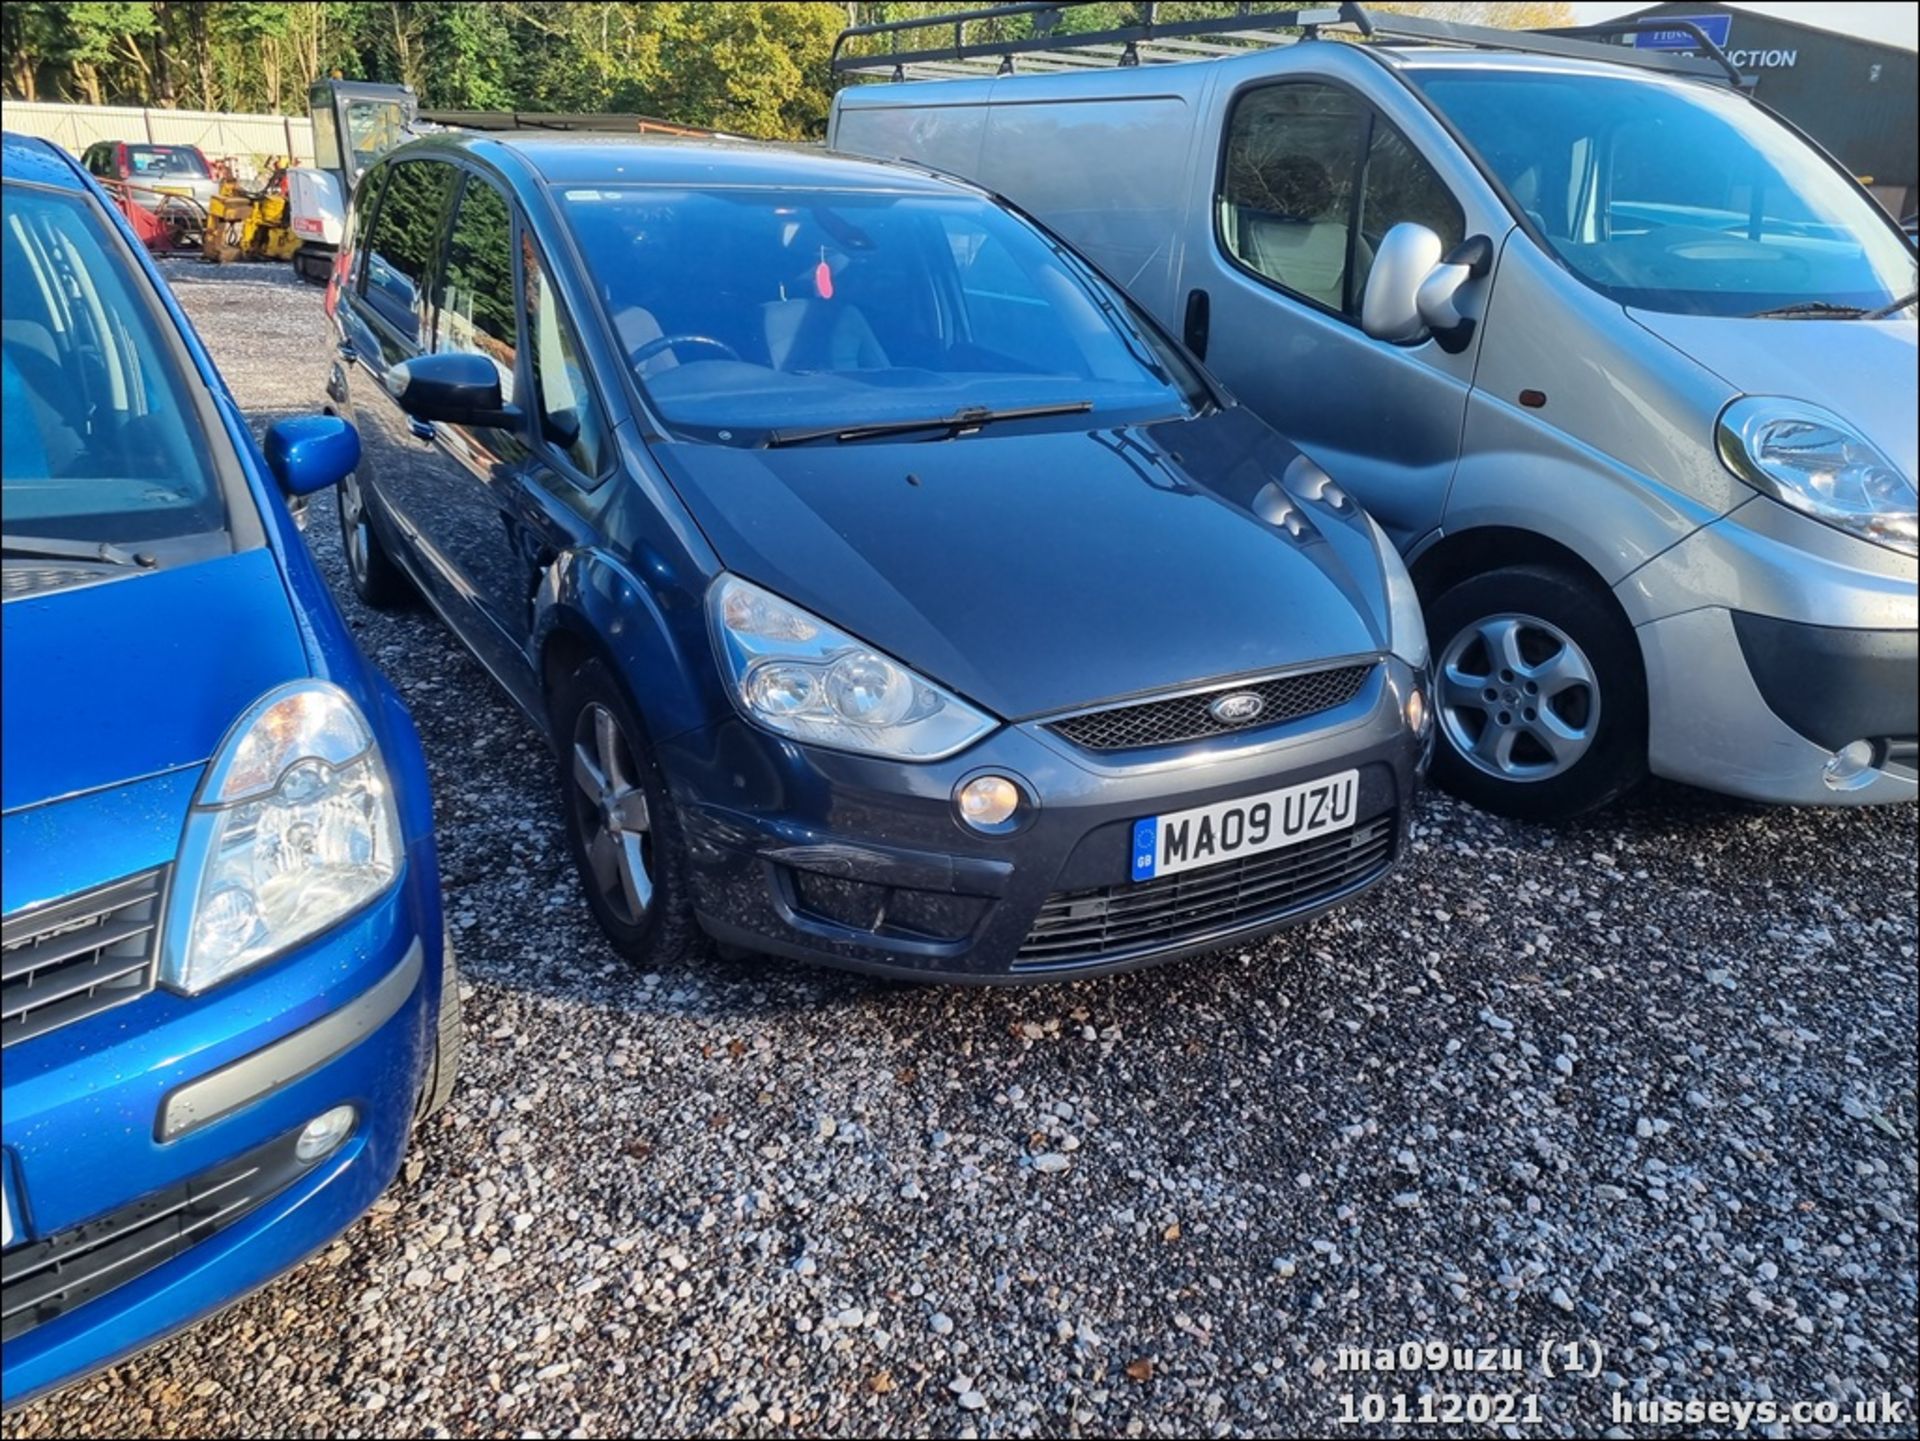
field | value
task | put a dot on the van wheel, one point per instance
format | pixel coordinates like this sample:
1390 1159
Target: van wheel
621 826
443 1067
1539 692
376 576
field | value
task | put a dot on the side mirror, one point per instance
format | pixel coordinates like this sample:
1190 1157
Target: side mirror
457 387
309 453
1412 289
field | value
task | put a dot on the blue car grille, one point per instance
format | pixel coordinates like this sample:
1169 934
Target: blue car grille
49 1277
78 956
1110 922
1186 717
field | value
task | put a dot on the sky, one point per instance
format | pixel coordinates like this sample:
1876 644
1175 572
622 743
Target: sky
1894 21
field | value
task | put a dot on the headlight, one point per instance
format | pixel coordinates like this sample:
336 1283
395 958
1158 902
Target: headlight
1810 459
800 677
1409 624
294 828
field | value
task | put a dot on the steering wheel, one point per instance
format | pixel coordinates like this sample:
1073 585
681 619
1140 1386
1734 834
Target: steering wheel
667 342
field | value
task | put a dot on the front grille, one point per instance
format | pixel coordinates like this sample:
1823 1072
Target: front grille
47 1278
1185 717
74 957
1080 926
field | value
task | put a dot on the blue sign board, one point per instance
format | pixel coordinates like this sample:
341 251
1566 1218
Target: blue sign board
1716 27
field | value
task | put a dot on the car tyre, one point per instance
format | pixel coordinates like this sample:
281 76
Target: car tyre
622 828
376 577
1539 692
443 1066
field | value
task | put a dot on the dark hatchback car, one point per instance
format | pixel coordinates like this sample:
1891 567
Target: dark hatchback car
892 591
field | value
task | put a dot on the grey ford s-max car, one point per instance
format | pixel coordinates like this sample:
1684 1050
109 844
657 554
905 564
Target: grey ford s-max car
892 591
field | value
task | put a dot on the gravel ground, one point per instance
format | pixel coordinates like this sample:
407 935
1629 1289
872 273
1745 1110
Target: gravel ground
1646 1082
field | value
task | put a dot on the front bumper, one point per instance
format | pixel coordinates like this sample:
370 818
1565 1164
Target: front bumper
89 1155
1772 642
864 864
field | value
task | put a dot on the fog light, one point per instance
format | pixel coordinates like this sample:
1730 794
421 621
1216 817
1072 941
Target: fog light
1851 767
988 802
325 1132
1417 712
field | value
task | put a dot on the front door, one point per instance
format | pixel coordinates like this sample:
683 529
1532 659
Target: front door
1310 177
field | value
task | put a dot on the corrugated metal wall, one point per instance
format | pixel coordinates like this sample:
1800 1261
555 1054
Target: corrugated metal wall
247 138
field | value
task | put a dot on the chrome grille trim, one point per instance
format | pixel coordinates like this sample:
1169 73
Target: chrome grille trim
1171 719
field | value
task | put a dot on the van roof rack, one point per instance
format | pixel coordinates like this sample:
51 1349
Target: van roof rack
1044 47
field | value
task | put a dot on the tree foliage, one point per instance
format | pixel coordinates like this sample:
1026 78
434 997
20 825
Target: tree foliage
754 68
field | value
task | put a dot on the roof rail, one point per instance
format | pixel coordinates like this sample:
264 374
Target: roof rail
940 47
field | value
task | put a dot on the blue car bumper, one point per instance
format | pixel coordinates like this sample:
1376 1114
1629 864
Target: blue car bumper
155 1161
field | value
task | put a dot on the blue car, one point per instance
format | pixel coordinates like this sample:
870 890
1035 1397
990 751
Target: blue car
893 592
227 992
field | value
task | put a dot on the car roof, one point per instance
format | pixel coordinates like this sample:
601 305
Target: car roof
576 157
1437 57
28 157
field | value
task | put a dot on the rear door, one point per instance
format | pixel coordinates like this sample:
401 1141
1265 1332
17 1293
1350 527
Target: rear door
1309 174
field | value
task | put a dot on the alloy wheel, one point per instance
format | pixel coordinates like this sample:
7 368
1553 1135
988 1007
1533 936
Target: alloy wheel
1518 698
610 809
354 527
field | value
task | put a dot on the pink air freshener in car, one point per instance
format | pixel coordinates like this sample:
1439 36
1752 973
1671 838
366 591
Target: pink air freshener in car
823 280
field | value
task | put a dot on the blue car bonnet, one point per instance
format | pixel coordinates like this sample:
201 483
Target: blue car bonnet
142 674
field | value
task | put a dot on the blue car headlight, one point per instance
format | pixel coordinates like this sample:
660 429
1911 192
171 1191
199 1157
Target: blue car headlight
1408 621
294 828
801 677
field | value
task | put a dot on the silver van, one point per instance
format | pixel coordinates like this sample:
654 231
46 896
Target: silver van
1621 360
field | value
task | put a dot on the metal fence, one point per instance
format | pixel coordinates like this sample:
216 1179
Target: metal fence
248 138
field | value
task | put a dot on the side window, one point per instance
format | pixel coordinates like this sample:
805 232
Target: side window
570 415
1287 185
1400 186
400 249
476 310
366 200
1313 180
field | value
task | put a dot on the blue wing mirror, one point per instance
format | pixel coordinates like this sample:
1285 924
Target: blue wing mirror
309 453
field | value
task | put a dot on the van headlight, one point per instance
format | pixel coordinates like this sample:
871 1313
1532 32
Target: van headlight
1809 458
1407 622
800 677
294 828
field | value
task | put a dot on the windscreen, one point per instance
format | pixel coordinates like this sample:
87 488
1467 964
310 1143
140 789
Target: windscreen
1674 196
99 441
746 312
153 161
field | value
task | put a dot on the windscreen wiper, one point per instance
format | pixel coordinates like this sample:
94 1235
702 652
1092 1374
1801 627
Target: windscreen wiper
959 423
47 547
1894 309
1811 310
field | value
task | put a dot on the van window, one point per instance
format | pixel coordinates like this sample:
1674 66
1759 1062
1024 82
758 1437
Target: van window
476 312
1287 186
1675 196
570 416
1399 186
402 243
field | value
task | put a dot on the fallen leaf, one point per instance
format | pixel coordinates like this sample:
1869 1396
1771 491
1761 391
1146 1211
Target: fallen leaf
1172 1233
880 1382
1141 1370
736 1048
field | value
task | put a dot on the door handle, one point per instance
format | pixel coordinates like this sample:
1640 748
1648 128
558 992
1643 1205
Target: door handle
420 429
1199 323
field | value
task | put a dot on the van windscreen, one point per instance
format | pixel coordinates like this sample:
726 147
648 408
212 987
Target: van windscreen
1674 196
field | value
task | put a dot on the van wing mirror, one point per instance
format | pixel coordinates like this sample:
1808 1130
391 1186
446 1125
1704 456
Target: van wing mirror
1412 289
